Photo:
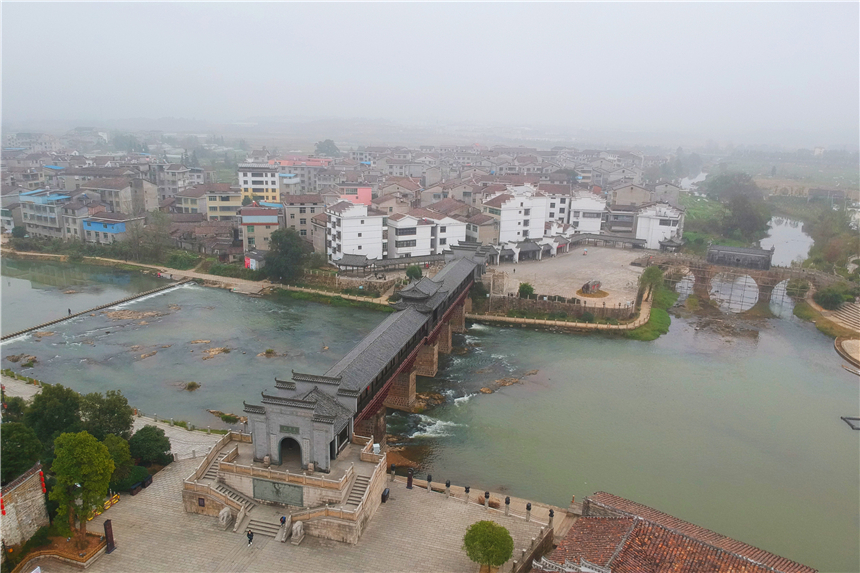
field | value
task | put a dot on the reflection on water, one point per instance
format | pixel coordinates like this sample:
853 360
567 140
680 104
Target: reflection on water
790 242
734 293
684 287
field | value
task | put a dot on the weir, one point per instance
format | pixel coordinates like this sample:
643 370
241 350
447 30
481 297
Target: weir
323 412
94 309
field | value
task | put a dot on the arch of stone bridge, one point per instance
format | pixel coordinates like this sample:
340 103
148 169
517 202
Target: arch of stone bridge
735 291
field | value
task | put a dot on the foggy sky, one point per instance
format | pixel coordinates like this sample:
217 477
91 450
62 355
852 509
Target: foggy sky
737 71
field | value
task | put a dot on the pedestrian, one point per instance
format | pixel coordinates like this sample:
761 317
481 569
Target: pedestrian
283 520
250 535
70 312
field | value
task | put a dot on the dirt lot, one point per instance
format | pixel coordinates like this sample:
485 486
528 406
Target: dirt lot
565 274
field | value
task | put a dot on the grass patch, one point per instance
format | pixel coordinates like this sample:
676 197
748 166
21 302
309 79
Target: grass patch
333 300
761 309
659 321
804 311
235 271
229 418
192 386
692 303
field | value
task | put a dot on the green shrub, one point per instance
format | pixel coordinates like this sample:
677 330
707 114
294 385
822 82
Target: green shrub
657 324
136 475
182 260
229 418
830 298
587 317
236 272
526 290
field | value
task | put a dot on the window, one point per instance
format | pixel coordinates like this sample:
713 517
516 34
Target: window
401 244
551 214
406 231
591 215
292 215
359 234
525 234
563 200
665 223
526 222
301 222
213 208
552 205
250 229
302 209
201 501
561 209
303 232
313 210
362 221
527 212
443 241
359 247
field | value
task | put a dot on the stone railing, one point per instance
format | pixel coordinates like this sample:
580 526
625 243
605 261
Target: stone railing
367 455
205 488
231 455
77 560
201 469
287 477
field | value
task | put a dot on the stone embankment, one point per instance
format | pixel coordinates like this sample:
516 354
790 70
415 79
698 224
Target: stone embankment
644 315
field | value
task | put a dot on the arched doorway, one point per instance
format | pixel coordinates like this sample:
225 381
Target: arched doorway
290 453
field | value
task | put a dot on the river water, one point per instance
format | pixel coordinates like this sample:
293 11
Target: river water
788 239
740 435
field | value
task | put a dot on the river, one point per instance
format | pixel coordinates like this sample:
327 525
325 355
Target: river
788 239
740 435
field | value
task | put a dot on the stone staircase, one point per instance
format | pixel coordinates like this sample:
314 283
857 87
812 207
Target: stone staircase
236 496
267 528
849 313
212 471
357 492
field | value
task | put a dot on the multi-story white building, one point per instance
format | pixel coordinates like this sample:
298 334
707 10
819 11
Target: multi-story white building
659 222
558 201
173 179
259 181
521 211
354 229
409 236
586 212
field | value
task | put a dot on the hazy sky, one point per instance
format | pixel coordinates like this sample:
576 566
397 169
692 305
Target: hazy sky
723 70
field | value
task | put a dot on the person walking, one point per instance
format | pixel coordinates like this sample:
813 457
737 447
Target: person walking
250 535
283 520
70 312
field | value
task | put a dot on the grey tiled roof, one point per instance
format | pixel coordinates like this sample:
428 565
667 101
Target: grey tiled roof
369 357
327 408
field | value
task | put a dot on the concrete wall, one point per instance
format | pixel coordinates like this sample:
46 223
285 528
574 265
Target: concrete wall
213 506
311 496
25 508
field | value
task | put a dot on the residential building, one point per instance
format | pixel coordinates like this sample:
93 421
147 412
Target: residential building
106 228
319 226
618 535
558 201
482 228
27 177
124 195
257 225
355 192
75 211
407 187
306 167
586 213
409 236
658 222
200 176
74 177
289 184
299 210
521 211
172 179
355 229
391 203
452 207
666 192
629 194
223 202
259 181
41 212
191 200
620 219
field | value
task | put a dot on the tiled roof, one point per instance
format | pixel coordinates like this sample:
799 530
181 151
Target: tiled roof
480 219
341 206
554 188
498 200
115 183
250 211
216 188
447 206
176 167
697 533
595 539
321 217
298 199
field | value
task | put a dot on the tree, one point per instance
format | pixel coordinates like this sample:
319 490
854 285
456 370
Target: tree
526 290
747 216
83 468
149 444
284 259
107 414
726 185
327 148
18 232
413 272
120 453
54 410
156 237
652 277
13 409
21 449
488 543
247 201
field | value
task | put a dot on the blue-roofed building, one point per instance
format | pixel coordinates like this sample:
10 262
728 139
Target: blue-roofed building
106 228
41 212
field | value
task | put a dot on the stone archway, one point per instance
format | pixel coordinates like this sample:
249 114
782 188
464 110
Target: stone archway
290 452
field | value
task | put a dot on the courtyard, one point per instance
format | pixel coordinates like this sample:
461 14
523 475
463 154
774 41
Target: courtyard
414 531
565 274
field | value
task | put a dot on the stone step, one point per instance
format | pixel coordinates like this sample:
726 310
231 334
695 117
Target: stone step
262 528
212 471
357 491
236 496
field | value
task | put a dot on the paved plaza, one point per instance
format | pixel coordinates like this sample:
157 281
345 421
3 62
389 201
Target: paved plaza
414 531
565 274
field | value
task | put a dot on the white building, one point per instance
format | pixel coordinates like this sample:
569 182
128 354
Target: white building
521 211
586 213
658 222
354 229
259 181
422 232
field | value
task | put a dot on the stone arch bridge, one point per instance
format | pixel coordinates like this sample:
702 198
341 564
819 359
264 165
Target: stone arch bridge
703 273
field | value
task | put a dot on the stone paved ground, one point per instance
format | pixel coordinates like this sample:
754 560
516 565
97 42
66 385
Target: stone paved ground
415 531
18 388
565 274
